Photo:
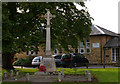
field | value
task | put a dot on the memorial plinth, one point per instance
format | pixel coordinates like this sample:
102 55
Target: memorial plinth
49 63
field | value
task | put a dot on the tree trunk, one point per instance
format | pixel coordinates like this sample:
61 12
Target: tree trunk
7 60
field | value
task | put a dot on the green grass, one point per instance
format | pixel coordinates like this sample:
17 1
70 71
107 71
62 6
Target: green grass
103 75
30 71
21 71
4 70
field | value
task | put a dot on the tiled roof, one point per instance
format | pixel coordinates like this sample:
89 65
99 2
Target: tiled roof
113 42
97 30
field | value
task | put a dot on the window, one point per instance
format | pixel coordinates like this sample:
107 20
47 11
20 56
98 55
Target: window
82 48
33 50
58 57
88 46
115 54
55 51
36 52
27 53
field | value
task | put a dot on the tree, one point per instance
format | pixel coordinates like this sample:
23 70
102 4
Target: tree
21 30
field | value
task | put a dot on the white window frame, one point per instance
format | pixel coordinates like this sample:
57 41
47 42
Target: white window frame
56 51
27 54
37 53
83 47
32 53
88 47
115 54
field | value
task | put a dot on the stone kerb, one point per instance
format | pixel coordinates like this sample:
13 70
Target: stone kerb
88 75
45 77
27 76
5 75
11 74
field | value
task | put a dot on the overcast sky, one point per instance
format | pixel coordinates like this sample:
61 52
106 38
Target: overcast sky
104 12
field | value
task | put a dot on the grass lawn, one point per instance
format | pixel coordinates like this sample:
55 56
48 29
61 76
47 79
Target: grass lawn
30 71
103 75
21 71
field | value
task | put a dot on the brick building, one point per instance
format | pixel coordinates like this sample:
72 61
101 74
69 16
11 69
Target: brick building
98 48
102 47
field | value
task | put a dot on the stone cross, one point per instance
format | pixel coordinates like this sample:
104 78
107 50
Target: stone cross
48 61
48 16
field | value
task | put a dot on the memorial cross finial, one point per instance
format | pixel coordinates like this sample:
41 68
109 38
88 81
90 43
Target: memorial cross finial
48 16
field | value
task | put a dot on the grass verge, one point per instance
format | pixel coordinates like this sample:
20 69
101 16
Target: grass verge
107 75
103 75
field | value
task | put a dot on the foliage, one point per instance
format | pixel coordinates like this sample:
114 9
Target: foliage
19 62
0 28
23 62
4 70
21 30
28 61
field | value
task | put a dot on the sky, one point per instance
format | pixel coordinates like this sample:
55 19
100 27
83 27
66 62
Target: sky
104 12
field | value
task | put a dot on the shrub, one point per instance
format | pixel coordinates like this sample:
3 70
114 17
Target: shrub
19 62
28 61
23 62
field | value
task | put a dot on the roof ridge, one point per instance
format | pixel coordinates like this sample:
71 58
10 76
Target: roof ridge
106 29
99 29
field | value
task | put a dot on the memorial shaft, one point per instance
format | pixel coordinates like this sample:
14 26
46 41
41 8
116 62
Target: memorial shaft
48 42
